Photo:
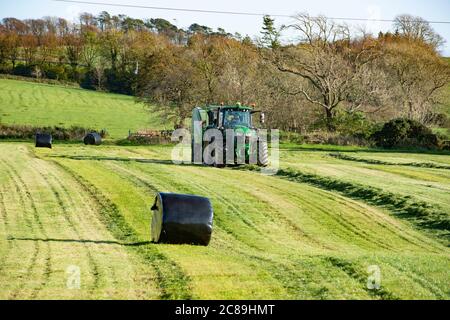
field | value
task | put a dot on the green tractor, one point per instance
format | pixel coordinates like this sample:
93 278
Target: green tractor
241 142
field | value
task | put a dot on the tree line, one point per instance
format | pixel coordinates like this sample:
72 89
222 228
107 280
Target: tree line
333 78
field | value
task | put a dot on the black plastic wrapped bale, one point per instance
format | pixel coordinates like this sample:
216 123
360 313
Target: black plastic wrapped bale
43 140
93 138
182 218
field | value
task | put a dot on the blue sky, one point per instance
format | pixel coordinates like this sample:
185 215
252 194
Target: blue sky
382 9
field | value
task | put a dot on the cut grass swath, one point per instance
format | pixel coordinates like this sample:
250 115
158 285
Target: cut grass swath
341 156
420 213
173 283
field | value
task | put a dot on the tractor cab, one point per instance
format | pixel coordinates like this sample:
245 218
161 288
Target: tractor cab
233 118
226 117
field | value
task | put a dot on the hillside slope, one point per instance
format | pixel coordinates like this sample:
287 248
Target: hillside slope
51 105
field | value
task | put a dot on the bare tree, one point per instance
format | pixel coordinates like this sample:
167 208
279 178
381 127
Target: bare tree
90 50
326 61
419 74
417 28
171 84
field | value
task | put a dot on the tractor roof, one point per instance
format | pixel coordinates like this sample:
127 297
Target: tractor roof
235 107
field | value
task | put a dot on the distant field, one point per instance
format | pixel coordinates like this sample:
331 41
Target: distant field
40 104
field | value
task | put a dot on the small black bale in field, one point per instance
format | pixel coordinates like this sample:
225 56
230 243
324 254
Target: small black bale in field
181 218
93 138
43 140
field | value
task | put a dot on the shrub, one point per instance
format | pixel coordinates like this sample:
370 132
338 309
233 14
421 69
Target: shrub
23 70
89 80
405 133
350 128
353 124
55 72
291 137
147 137
335 138
58 133
119 82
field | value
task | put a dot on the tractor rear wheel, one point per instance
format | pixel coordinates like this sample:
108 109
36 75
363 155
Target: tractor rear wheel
220 152
263 154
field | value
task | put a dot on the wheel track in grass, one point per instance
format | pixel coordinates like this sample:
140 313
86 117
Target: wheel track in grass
354 271
6 222
138 181
419 242
48 253
423 242
89 230
348 227
350 269
36 246
21 188
369 218
113 269
274 216
172 282
317 220
418 213
386 222
419 279
68 218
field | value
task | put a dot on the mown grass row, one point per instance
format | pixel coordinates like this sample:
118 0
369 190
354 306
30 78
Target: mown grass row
273 238
341 156
420 213
172 282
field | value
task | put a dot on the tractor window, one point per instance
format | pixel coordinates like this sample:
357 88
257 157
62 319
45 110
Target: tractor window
233 118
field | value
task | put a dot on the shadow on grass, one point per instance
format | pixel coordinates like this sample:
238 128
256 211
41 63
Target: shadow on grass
430 165
102 158
140 160
133 244
335 148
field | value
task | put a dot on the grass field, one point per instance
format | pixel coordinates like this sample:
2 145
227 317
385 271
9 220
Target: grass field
41 105
309 232
273 238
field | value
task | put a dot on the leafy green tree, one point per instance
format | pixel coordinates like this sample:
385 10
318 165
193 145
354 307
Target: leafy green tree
195 28
270 35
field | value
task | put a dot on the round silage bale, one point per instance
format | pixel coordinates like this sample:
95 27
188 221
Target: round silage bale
93 138
181 218
43 140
